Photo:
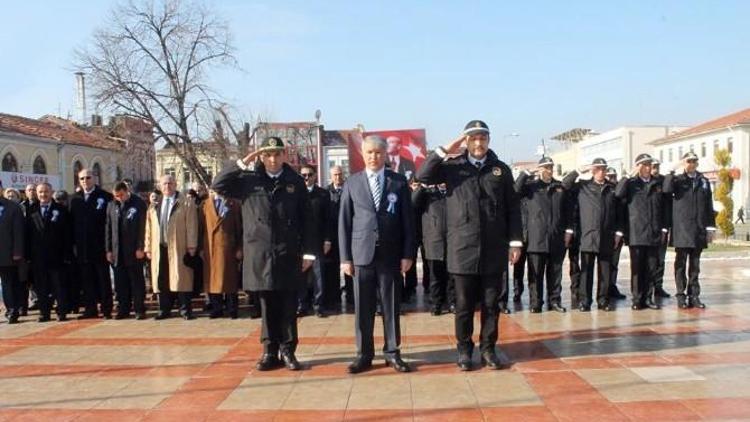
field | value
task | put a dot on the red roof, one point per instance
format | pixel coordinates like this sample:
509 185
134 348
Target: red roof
57 129
741 117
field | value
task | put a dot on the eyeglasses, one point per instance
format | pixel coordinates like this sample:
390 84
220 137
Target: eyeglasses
306 175
84 178
692 161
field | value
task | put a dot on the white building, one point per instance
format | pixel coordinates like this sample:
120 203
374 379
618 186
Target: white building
730 132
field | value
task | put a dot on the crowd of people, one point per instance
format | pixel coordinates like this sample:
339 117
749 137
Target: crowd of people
267 229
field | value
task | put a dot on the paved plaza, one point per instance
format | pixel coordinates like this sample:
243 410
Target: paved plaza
625 365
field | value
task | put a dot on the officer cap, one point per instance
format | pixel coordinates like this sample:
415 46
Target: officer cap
611 171
546 161
476 126
690 155
271 143
599 162
643 158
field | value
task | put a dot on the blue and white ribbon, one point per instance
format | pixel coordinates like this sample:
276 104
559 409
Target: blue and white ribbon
99 203
55 214
131 213
392 199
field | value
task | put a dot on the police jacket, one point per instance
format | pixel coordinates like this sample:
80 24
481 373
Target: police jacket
692 209
597 216
429 205
546 217
646 216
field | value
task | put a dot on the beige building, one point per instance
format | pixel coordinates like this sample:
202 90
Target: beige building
212 156
53 150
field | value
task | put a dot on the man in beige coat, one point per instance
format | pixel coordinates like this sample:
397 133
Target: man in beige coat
171 242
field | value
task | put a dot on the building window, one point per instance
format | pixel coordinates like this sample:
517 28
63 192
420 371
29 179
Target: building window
703 150
97 170
185 176
716 146
77 167
661 155
559 169
40 167
10 163
730 145
671 157
679 153
692 149
169 171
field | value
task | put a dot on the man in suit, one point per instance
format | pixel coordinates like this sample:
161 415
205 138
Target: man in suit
646 229
279 243
88 210
171 245
692 227
124 245
376 244
332 272
11 254
24 271
48 245
484 231
398 163
313 293
222 253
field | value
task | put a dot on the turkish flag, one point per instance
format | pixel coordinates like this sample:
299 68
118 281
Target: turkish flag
406 147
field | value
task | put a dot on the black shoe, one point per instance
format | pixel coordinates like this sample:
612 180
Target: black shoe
661 294
536 310
637 307
233 315
34 307
254 313
24 312
504 309
268 362
492 361
140 316
162 315
436 311
301 313
290 361
44 318
452 309
214 315
319 313
188 317
13 319
607 307
651 305
584 307
122 316
107 316
87 315
397 363
464 361
359 365
617 295
62 318
557 308
696 303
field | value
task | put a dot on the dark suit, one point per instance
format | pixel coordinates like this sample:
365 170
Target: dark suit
375 239
48 248
405 167
332 272
429 204
126 225
89 219
314 291
278 230
11 246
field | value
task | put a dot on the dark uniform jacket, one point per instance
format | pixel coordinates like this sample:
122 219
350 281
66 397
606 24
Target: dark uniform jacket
429 206
333 221
320 207
646 214
692 209
390 228
546 215
11 232
89 219
48 238
597 216
277 225
125 230
482 209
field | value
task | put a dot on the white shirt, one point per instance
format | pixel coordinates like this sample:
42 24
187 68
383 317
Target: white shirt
86 193
474 161
380 173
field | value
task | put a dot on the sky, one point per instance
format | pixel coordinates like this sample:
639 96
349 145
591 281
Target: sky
533 68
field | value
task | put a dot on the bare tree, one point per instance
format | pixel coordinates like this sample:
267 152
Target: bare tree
151 60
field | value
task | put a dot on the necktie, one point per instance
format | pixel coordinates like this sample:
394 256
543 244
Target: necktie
393 163
217 204
164 223
478 164
44 210
376 191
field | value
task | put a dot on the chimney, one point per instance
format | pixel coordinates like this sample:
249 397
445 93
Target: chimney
81 98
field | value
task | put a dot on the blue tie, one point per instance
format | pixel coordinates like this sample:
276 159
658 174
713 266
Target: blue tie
44 210
376 191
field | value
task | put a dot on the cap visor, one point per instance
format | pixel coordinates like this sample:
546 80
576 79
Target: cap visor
475 130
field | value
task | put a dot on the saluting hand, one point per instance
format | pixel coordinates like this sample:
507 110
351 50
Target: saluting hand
455 146
249 158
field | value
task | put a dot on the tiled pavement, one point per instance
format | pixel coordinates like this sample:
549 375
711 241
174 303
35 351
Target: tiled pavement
648 365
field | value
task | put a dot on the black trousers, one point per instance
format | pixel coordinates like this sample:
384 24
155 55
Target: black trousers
410 282
130 289
661 255
426 276
227 301
97 287
643 264
279 325
377 280
332 285
470 289
518 272
604 272
683 258
574 271
614 270
545 266
12 291
167 297
73 287
313 292
49 288
442 288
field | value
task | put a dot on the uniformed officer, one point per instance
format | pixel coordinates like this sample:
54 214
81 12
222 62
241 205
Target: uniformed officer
646 229
546 223
692 226
614 292
659 292
277 226
484 230
598 218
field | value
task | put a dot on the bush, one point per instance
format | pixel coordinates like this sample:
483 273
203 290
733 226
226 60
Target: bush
723 192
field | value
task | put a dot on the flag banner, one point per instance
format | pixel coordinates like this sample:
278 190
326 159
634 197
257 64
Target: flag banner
407 149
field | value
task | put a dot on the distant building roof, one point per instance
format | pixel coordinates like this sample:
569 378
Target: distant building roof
572 135
58 130
741 117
